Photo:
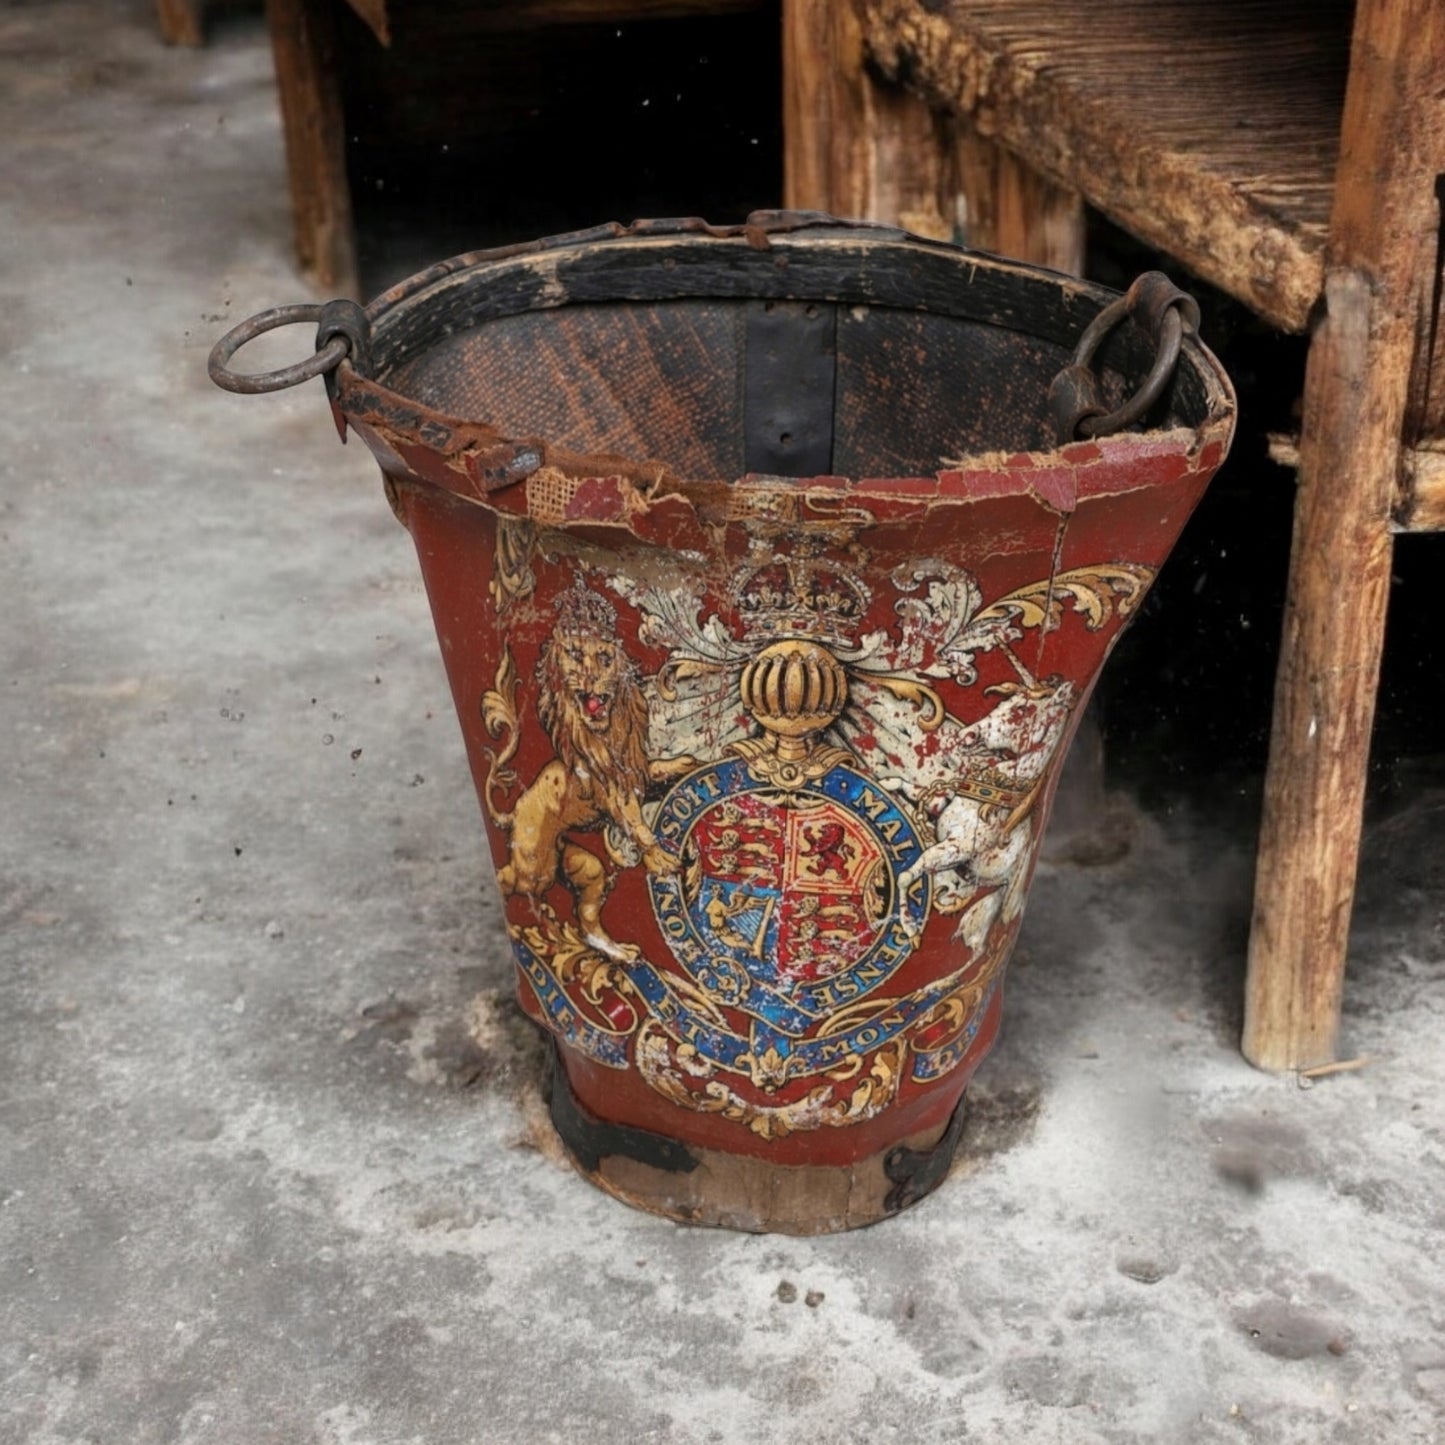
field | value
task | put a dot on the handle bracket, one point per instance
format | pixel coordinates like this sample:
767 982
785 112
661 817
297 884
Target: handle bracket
1164 313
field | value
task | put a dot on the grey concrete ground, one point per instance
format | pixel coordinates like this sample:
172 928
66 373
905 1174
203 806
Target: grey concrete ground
272 1159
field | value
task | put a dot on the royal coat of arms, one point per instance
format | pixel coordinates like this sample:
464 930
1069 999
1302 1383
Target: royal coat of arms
804 799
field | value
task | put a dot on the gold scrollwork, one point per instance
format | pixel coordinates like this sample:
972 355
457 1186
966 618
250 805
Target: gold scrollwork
1095 592
908 689
956 1011
570 959
789 774
512 577
499 715
820 1108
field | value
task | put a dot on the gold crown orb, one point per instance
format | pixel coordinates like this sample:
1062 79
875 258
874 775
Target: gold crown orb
794 689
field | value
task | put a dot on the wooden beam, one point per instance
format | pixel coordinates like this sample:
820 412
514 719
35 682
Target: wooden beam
816 105
303 42
1379 271
1420 509
1423 509
851 145
1009 208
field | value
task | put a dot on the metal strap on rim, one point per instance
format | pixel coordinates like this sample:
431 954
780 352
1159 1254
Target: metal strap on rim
1159 308
342 331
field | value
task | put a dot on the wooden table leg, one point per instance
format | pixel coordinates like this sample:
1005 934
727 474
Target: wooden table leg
303 41
1378 279
1325 693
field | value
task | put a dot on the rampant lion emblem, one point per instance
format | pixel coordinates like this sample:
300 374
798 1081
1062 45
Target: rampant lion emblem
593 710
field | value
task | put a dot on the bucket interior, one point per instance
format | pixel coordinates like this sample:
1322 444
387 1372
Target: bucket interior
819 371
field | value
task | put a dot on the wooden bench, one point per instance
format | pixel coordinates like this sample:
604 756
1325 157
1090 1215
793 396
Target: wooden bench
1290 156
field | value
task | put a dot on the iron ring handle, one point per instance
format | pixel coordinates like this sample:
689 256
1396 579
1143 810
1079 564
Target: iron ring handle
1164 312
342 331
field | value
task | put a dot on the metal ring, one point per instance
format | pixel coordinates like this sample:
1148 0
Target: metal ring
1165 359
251 383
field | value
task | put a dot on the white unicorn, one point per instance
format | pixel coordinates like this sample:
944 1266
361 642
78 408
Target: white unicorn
985 783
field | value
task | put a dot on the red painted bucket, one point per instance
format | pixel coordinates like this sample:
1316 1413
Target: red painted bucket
772 567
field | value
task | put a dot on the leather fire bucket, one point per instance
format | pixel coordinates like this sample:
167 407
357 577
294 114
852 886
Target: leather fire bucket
772 567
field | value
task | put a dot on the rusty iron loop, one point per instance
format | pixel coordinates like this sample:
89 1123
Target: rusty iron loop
1165 359
1163 311
324 359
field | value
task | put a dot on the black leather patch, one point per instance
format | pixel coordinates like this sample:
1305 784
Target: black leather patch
916 1172
790 376
590 1140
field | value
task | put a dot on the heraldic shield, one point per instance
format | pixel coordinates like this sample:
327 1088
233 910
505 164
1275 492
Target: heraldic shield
772 567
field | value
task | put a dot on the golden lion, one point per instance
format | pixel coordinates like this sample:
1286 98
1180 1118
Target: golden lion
593 709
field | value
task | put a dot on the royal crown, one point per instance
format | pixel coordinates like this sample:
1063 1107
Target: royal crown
799 596
582 612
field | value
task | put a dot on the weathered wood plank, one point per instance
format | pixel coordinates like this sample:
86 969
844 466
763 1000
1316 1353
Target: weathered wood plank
859 147
852 146
1214 141
1009 208
1379 279
1421 505
812 110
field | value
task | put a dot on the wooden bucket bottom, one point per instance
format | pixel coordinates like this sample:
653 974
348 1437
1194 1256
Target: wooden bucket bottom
696 1185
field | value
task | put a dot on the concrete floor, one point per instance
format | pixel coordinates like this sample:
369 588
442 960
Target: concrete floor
273 1165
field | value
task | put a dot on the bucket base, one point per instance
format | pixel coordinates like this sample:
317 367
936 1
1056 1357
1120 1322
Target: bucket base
695 1185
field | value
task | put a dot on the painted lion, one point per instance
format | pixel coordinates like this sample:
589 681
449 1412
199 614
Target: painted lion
593 709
